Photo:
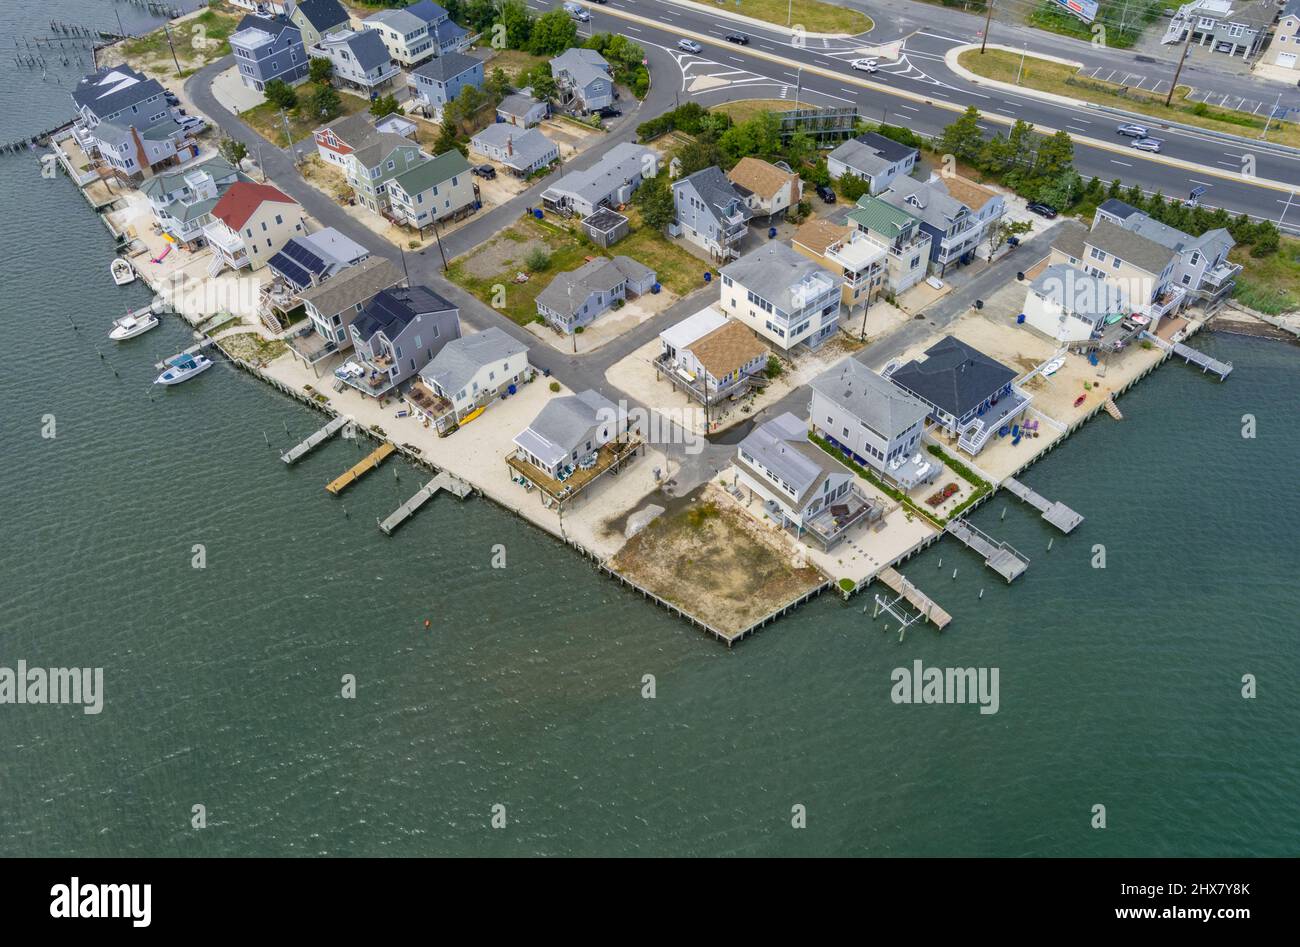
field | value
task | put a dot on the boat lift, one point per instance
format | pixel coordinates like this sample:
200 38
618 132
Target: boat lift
895 610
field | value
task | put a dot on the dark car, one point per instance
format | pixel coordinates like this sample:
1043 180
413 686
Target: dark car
825 193
740 38
484 171
1043 210
610 111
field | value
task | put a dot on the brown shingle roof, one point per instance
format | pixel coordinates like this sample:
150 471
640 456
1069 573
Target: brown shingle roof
819 234
759 176
727 349
968 192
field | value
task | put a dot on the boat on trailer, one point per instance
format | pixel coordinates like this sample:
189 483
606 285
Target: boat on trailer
122 270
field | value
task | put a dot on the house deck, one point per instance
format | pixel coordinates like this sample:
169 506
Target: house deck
611 456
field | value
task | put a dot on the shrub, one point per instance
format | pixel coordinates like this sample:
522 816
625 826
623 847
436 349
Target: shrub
554 386
537 260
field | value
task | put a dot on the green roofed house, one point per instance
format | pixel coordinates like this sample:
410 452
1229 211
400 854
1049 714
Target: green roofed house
901 233
182 200
435 189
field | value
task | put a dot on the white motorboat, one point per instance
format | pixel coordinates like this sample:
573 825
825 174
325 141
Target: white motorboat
122 270
1054 366
136 322
182 368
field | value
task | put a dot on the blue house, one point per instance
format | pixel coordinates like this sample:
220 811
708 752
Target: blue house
440 80
266 48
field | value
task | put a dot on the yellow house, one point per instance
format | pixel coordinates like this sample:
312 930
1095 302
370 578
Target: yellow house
250 224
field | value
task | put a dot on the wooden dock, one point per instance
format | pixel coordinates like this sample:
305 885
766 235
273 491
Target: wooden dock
1001 557
300 450
443 481
918 599
361 468
1206 362
1058 514
192 350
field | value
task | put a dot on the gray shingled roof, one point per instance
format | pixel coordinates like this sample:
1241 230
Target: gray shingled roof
353 285
871 153
877 402
717 190
447 66
954 376
928 200
1130 247
527 144
1117 208
616 167
561 425
598 275
518 104
114 88
322 14
781 445
1076 291
460 359
368 49
781 275
583 65
1210 243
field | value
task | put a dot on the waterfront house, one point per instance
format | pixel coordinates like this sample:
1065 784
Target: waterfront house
182 200
134 154
801 487
773 188
436 189
266 48
1281 60
873 158
397 333
783 296
907 244
879 424
468 375
1234 27
610 182
124 121
520 108
1142 269
1071 305
250 223
970 395
861 261
370 166
440 80
332 305
317 18
310 259
955 212
265 7
583 80
711 212
360 59
417 32
521 151
569 432
1202 266
712 357
575 299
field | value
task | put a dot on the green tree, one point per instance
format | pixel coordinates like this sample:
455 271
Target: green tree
654 198
1005 228
758 136
698 154
497 85
447 141
963 138
233 150
384 105
853 187
322 105
552 34
518 21
280 94
1267 239
800 148
321 70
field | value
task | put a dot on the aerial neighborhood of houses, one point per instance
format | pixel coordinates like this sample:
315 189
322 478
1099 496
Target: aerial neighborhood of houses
863 369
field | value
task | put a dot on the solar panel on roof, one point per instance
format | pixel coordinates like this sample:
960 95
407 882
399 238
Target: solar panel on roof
304 257
290 270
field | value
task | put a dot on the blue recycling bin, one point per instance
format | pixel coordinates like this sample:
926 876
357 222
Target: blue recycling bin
1020 318
771 233
708 277
537 212
655 288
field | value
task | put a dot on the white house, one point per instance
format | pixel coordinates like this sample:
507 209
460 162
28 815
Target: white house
470 373
783 296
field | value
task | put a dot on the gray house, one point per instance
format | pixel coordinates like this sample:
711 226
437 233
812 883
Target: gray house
396 334
878 423
583 79
124 119
316 18
313 258
440 80
333 305
569 431
266 48
576 298
469 373
359 57
712 212
874 158
1225 26
521 150
519 108
1202 265
610 182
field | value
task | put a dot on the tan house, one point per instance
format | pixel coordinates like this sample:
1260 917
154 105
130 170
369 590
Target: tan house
1281 60
773 187
861 261
250 224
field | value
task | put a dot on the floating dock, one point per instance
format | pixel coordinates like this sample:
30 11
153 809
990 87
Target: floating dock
443 481
1206 363
928 608
298 451
1058 514
361 468
1001 557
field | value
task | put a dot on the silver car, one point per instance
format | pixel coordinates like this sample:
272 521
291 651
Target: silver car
1148 144
1133 131
689 45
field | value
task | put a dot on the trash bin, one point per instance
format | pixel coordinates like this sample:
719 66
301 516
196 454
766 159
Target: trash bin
708 277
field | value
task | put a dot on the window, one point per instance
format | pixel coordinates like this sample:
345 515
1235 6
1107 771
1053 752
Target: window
264 226
279 220
1116 264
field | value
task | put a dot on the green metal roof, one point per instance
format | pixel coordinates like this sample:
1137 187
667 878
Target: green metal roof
426 174
878 217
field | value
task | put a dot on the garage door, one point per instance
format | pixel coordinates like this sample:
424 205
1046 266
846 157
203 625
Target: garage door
1286 60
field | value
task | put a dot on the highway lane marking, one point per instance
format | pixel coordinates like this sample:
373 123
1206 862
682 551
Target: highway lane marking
1205 183
1124 163
1229 164
1075 127
910 108
926 99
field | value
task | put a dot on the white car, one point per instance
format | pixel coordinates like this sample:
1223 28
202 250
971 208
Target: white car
192 124
689 45
865 65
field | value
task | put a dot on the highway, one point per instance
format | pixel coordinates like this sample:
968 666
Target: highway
920 92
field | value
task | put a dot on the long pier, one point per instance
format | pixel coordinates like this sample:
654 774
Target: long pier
918 599
443 481
1058 514
1206 362
1001 557
360 468
300 450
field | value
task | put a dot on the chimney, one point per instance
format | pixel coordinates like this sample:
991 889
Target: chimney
510 145
142 158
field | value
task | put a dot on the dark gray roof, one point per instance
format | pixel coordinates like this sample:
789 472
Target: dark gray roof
954 376
877 402
447 66
114 88
392 310
717 190
604 220
1117 208
781 445
1129 246
520 105
322 14
460 359
871 152
353 285
369 49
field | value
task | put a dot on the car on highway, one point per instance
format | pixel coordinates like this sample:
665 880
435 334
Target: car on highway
689 45
1147 144
865 65
483 171
1132 131
739 38
1042 210
825 193
577 12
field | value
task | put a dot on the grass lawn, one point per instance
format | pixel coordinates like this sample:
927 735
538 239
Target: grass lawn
813 15
746 109
197 40
678 271
510 61
1270 284
265 118
1060 79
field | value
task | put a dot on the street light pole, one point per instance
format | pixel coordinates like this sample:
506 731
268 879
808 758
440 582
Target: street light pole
984 40
1019 72
1181 59
1268 119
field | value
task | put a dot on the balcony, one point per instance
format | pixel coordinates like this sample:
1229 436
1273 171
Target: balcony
975 435
829 524
1168 301
1219 277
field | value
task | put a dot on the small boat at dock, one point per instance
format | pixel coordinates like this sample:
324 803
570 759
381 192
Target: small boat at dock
135 322
183 367
122 270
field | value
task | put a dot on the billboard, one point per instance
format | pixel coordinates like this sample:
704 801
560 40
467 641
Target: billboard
1085 10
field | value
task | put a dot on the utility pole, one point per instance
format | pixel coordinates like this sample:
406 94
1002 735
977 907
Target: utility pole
288 138
984 40
1181 59
1021 71
1268 119
169 46
438 237
866 308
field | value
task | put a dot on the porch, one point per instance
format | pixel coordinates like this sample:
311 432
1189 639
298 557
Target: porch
573 479
999 411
